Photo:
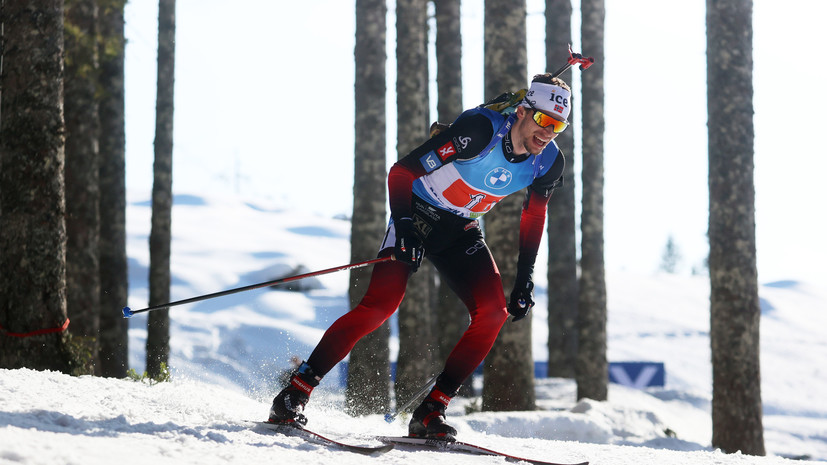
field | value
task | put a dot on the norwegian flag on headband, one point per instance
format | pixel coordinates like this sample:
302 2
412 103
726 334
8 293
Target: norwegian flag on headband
558 108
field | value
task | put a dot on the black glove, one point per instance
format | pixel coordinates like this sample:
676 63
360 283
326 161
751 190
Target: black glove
522 297
408 247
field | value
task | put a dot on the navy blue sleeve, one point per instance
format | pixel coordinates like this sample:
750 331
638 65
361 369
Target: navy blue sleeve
464 139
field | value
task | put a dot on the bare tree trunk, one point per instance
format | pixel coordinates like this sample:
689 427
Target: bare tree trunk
592 365
368 384
452 317
160 236
417 338
509 367
562 241
448 60
32 202
82 173
735 310
114 356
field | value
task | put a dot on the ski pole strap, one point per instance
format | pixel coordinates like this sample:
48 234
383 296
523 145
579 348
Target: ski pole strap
38 332
501 132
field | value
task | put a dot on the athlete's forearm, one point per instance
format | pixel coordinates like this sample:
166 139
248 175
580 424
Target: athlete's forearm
532 223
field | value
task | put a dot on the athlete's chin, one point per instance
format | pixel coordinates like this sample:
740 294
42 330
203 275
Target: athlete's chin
537 145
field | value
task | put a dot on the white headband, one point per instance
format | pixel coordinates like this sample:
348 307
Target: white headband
549 98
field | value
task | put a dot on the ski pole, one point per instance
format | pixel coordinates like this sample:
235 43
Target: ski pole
391 417
127 312
574 59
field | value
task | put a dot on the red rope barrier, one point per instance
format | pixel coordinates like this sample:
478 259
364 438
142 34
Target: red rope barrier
39 332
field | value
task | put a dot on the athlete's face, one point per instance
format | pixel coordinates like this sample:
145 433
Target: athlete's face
527 135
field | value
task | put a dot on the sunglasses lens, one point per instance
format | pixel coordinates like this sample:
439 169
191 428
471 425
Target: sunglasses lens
544 121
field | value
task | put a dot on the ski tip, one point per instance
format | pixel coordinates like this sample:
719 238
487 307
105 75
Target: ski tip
127 312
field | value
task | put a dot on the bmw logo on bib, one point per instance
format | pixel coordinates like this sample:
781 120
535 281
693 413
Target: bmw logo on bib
498 178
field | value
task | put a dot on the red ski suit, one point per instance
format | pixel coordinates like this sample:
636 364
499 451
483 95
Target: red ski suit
419 188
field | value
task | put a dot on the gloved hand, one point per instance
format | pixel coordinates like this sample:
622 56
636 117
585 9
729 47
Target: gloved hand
408 247
522 297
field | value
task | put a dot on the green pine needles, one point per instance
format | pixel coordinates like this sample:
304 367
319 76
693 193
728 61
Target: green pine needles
163 376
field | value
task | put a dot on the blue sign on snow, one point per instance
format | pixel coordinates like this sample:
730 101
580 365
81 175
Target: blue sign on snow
638 375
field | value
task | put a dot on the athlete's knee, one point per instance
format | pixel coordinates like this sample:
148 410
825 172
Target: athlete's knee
491 316
386 289
380 303
499 316
372 312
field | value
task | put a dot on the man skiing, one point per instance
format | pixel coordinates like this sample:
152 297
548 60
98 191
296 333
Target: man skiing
436 194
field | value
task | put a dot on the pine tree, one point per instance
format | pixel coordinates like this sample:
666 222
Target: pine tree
114 338
160 236
452 317
592 365
562 240
82 174
417 338
370 358
509 367
32 198
671 256
735 311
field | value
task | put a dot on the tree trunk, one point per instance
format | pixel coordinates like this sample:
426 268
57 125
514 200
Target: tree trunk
452 317
448 60
415 364
592 365
562 241
157 342
82 173
368 383
509 367
32 198
735 310
114 356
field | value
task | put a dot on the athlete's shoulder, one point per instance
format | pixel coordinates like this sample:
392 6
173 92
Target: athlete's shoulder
551 152
480 114
552 165
469 134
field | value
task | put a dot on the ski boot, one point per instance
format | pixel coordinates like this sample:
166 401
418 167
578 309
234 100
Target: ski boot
288 406
428 420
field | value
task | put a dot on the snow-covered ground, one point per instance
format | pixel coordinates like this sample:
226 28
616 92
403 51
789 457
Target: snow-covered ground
228 352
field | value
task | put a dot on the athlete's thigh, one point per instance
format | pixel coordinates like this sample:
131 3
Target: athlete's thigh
470 271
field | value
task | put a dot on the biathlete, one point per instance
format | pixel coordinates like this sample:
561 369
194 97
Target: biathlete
436 194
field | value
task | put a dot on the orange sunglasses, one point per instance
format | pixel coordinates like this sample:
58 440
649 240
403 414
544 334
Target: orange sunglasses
545 120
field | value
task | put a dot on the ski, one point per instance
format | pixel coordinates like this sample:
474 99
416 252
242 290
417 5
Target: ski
456 446
292 429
